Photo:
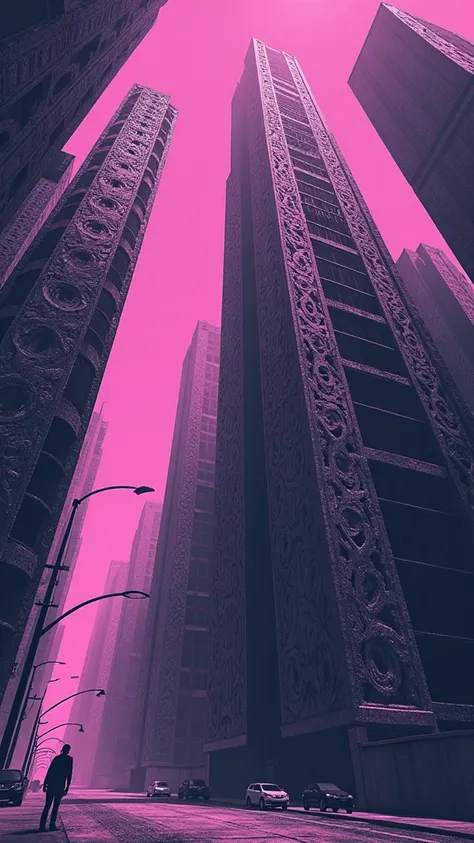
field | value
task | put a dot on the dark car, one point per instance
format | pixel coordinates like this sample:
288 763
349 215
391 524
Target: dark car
12 786
194 789
323 795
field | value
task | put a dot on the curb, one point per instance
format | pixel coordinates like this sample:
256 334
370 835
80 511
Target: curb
407 826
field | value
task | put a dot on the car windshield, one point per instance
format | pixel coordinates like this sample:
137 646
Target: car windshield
10 776
330 788
161 784
197 782
271 787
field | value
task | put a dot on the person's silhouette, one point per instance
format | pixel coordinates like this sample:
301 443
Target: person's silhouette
56 785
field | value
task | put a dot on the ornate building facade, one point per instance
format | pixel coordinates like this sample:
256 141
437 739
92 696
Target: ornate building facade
415 81
56 59
172 691
82 482
86 709
59 312
34 211
109 765
344 472
444 302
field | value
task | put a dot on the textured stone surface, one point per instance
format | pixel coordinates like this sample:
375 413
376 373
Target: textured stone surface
50 77
63 301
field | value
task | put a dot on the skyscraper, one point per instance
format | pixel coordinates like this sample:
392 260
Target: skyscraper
444 300
415 81
82 482
110 761
344 481
56 59
172 691
59 311
86 709
34 211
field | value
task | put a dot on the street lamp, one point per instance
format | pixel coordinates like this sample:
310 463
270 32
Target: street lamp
9 757
81 728
39 627
31 749
99 692
46 740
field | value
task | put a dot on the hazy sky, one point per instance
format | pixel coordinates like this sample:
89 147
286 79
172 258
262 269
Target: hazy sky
195 53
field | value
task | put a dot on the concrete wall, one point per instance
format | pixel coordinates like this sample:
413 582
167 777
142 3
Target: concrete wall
426 775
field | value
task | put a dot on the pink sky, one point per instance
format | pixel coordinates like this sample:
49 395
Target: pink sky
195 53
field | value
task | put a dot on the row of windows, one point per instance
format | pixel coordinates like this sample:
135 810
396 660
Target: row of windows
209 425
212 373
193 680
199 577
197 611
195 649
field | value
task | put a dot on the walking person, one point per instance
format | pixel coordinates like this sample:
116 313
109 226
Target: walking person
56 785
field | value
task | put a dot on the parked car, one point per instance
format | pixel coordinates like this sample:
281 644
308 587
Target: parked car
194 789
158 789
323 796
266 795
13 785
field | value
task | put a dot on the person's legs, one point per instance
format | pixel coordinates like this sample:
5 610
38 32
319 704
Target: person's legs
47 806
54 812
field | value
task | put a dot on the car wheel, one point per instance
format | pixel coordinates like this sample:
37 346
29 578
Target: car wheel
284 807
248 803
261 805
335 810
322 805
306 806
349 810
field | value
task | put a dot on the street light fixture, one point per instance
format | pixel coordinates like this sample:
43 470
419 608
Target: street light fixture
99 692
81 728
9 757
40 628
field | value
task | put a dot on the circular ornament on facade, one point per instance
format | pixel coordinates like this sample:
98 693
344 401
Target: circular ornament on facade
383 665
116 183
64 296
108 204
39 341
95 228
17 397
81 257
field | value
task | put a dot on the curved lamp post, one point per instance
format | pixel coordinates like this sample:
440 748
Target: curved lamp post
40 628
99 692
53 738
81 728
9 757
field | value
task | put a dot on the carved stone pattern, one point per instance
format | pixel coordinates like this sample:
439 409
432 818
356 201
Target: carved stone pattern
444 46
448 426
227 691
162 703
371 612
48 382
32 144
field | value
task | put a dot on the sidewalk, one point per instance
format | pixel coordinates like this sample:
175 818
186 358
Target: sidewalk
21 824
451 828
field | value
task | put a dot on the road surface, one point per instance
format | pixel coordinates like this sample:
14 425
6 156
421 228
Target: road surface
104 817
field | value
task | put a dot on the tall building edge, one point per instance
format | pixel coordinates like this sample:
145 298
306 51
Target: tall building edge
415 82
53 69
354 659
172 690
61 307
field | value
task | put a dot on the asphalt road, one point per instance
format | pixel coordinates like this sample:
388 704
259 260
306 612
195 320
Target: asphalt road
116 819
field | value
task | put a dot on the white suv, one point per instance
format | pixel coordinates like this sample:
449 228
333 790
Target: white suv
266 795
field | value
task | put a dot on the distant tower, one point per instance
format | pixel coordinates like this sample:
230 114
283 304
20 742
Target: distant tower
82 482
113 746
344 472
86 709
172 692
415 81
34 212
56 59
59 311
444 301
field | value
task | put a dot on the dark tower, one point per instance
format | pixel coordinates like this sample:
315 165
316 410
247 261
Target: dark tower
343 537
59 312
415 81
56 59
444 301
172 691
